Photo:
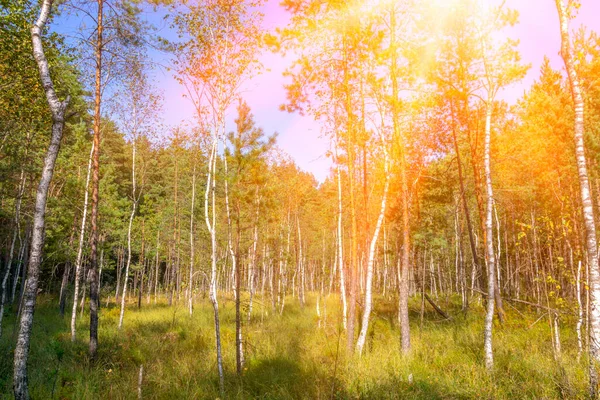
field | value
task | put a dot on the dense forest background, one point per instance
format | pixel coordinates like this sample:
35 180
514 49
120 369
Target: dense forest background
447 215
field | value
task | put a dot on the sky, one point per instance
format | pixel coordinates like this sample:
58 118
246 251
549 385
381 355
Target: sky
300 136
539 34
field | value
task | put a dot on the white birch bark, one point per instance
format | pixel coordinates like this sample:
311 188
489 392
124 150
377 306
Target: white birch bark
360 343
586 199
211 226
235 273
80 246
131 216
579 313
301 284
340 232
57 109
140 381
489 240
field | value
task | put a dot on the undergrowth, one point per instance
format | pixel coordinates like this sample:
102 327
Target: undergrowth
294 355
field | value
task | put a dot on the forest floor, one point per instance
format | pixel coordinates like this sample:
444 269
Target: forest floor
293 356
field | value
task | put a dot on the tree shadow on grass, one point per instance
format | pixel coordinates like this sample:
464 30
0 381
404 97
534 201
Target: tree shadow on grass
282 378
419 389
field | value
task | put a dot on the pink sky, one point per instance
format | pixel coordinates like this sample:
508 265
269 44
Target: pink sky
300 137
539 35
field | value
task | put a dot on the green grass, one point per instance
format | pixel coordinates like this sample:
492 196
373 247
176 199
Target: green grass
290 357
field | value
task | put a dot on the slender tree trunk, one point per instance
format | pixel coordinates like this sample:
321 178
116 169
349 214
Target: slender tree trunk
253 265
94 298
156 272
16 235
57 108
239 350
82 299
80 247
191 279
211 225
340 233
476 262
23 251
353 272
119 267
142 262
235 268
369 283
579 312
62 299
564 12
405 256
284 272
301 284
134 200
100 273
489 240
252 268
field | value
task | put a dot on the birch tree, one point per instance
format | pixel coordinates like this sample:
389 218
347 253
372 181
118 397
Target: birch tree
138 112
565 13
213 64
360 343
80 246
500 67
58 110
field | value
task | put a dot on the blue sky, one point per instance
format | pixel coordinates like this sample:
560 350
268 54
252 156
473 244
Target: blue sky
299 136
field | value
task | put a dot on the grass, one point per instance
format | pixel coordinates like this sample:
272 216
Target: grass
290 356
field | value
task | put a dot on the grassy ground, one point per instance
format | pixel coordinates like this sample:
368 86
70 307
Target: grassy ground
290 357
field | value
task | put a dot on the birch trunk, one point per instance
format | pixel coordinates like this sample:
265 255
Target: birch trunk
157 265
80 247
119 267
489 240
131 216
579 313
301 283
340 232
57 109
235 269
369 282
210 190
586 199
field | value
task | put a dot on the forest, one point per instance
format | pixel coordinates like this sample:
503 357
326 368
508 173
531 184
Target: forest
449 251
